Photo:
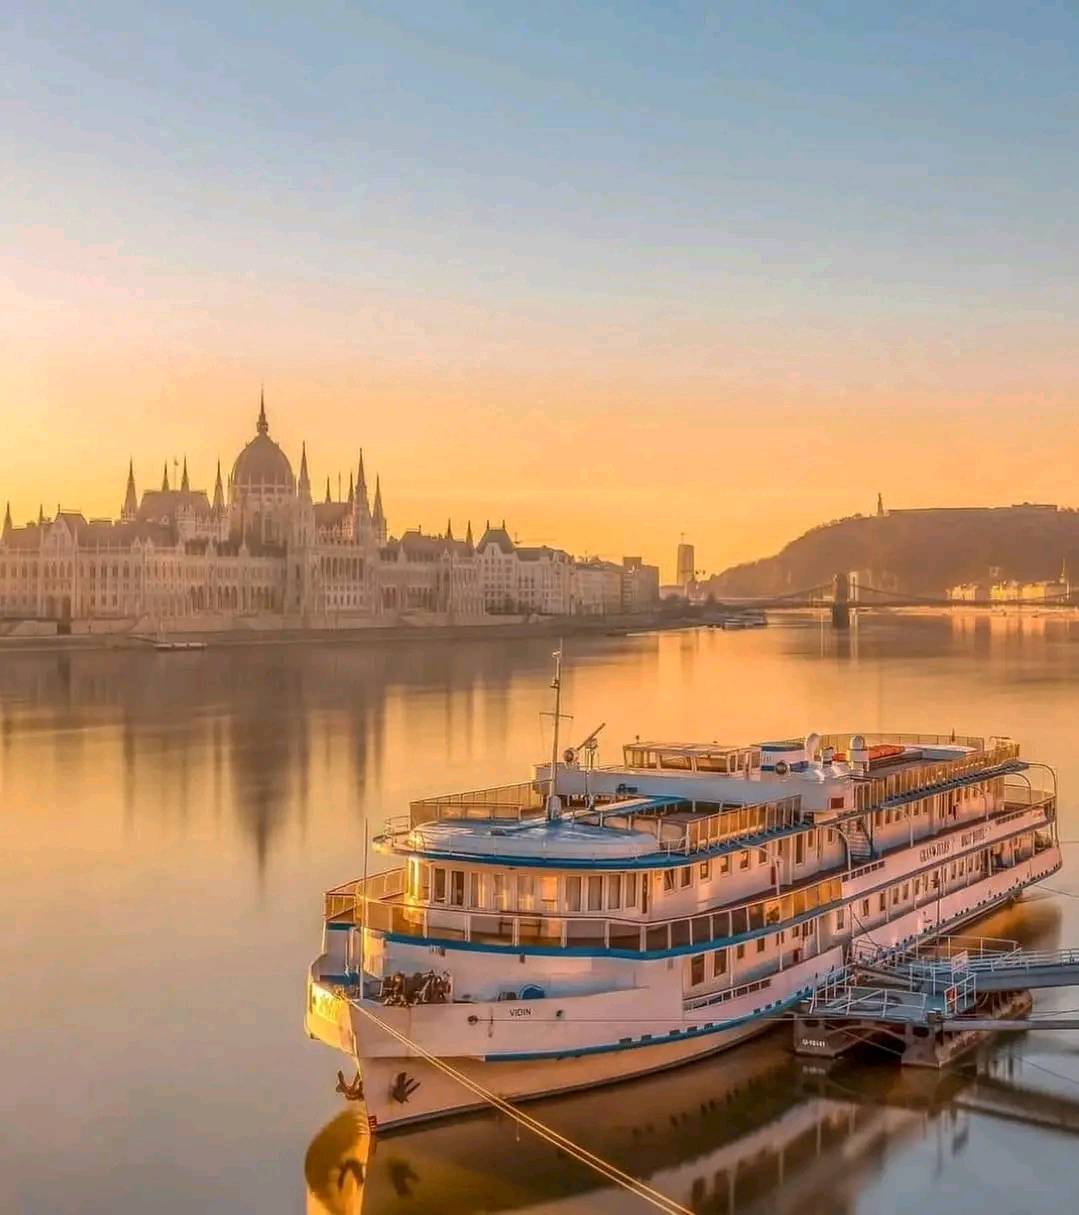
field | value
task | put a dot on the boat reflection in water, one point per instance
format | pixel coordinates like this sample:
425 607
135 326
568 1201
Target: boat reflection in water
751 1130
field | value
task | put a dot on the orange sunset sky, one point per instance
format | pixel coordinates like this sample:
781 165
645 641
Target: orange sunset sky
613 275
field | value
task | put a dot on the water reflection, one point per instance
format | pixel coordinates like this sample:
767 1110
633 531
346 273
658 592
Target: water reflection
169 823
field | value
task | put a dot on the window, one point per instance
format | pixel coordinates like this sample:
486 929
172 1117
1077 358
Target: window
614 891
457 888
740 951
696 969
685 876
526 891
440 885
630 893
595 892
760 944
548 892
474 897
799 849
704 872
668 881
743 860
865 908
883 901
719 963
725 864
839 920
573 894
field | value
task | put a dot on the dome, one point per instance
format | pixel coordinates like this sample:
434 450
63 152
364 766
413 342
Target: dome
262 464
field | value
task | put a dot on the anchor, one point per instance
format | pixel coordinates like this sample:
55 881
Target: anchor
353 1091
403 1087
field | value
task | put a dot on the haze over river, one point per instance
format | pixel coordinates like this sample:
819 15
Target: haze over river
171 820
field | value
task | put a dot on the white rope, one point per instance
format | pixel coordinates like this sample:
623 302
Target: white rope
597 1163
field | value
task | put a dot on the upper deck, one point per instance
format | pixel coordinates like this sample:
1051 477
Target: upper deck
669 800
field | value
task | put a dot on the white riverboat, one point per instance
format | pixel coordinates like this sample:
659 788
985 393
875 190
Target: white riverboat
602 922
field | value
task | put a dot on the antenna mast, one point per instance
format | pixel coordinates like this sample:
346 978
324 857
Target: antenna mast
556 683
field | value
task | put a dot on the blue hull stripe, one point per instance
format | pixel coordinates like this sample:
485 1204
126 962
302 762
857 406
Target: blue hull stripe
767 1012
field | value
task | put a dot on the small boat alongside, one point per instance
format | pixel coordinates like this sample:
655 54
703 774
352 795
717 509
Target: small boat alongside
595 923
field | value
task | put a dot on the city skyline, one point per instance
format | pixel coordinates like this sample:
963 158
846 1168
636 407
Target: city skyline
482 239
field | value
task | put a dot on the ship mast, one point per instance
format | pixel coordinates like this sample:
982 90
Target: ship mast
556 683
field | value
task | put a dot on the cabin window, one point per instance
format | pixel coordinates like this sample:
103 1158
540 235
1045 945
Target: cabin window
839 920
440 885
457 887
705 871
906 891
668 881
883 901
475 898
895 895
711 763
761 942
685 876
614 891
743 860
526 891
719 963
573 894
677 762
831 836
835 803
631 890
696 969
595 892
865 908
799 849
549 892
500 889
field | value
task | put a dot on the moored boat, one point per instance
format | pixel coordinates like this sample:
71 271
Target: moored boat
600 922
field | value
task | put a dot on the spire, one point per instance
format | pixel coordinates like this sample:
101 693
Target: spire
377 516
361 487
40 514
7 522
328 498
880 505
185 484
449 529
131 501
351 490
219 493
165 479
468 535
262 426
304 488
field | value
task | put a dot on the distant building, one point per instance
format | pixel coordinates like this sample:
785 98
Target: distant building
685 567
259 547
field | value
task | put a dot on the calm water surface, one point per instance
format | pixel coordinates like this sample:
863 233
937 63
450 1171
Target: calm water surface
169 823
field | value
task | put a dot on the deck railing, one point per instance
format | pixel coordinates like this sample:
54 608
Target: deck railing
872 792
357 903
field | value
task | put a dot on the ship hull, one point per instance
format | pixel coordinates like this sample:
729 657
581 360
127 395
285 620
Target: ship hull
401 1087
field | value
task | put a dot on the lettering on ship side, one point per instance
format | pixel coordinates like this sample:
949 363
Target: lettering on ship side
934 851
520 1012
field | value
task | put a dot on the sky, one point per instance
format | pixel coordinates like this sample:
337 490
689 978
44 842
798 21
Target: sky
614 272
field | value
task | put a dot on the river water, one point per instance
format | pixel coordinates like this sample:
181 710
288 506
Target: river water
169 823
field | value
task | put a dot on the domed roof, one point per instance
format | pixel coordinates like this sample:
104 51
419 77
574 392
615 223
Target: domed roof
262 464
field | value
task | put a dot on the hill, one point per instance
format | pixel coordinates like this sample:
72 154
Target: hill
922 552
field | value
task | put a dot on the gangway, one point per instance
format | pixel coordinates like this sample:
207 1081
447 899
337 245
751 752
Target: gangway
929 1002
997 965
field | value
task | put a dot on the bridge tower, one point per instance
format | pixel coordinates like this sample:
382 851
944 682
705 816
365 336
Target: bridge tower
841 602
